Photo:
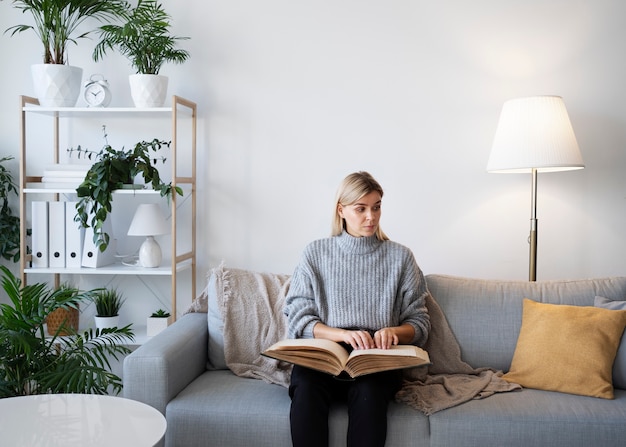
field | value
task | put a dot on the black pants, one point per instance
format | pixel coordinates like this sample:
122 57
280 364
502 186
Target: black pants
367 398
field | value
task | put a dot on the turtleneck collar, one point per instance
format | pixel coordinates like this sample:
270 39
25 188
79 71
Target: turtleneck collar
358 245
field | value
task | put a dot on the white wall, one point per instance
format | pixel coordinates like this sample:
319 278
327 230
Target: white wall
293 96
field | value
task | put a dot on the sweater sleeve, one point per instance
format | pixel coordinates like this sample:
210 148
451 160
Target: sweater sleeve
413 309
300 306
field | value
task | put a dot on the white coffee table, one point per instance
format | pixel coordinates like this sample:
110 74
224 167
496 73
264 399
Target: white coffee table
78 420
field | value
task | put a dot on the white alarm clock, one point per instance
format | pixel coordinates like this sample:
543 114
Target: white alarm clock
97 93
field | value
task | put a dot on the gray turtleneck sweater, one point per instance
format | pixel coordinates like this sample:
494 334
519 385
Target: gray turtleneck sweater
357 282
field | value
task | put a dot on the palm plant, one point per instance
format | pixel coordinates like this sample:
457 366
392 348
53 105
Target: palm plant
57 22
143 39
33 363
9 223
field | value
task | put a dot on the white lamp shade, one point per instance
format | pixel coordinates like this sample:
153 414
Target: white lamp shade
534 133
148 221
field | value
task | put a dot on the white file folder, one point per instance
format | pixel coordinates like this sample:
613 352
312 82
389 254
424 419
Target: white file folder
40 234
92 256
74 237
56 234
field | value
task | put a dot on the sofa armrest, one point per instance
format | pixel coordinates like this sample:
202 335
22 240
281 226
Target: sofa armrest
158 370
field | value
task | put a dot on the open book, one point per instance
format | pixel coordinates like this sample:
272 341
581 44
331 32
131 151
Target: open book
330 357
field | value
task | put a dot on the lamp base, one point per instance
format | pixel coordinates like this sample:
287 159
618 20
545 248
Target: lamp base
150 253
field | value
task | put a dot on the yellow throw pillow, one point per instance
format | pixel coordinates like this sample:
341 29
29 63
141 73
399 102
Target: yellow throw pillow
566 348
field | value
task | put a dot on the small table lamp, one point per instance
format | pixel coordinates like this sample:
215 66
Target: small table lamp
534 135
149 221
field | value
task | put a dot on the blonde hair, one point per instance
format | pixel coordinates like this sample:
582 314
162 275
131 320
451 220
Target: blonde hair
353 187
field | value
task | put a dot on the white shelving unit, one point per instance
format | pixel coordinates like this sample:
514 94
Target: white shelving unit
32 186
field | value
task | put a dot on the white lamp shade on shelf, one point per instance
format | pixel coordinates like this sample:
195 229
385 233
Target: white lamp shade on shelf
149 221
534 133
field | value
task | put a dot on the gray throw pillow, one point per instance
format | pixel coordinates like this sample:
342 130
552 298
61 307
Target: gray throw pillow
216 325
619 366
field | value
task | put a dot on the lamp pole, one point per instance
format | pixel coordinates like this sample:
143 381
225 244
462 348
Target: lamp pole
534 134
532 239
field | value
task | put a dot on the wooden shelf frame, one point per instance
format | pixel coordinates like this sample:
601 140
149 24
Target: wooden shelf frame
32 185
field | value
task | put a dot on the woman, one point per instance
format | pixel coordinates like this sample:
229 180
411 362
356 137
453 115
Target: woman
362 290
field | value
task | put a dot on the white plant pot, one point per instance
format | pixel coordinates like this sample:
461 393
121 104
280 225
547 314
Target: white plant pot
157 324
56 85
148 90
107 322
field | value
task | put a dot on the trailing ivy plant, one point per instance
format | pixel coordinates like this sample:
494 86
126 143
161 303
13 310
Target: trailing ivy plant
31 362
114 168
9 223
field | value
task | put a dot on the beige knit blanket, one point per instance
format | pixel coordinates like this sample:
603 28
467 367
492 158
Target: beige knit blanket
449 381
252 310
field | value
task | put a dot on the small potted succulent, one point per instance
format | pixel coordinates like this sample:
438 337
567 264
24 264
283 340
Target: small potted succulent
145 40
108 303
114 169
58 23
158 321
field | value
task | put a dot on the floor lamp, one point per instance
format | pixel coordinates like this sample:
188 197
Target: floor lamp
534 135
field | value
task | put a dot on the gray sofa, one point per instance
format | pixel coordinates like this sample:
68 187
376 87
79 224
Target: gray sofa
182 372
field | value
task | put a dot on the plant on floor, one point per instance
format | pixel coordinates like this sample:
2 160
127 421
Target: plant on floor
144 39
9 223
114 168
33 363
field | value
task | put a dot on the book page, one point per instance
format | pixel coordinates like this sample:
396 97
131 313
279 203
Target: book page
395 350
367 361
320 354
328 356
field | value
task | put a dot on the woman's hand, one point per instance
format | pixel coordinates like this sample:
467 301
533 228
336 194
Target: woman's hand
358 339
388 336
383 338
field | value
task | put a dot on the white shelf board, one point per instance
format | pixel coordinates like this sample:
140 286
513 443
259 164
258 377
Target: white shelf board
140 332
115 269
94 111
141 335
39 188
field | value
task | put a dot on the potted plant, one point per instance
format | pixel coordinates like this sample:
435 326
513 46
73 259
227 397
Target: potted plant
145 40
64 320
56 24
158 321
33 363
108 303
112 170
9 223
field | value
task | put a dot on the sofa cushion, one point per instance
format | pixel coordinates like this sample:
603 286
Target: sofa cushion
221 409
532 418
567 348
486 315
619 366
